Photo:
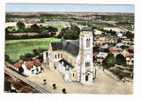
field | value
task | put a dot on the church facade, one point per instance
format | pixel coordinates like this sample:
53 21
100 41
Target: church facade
73 58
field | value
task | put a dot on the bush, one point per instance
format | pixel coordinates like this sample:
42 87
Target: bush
35 28
109 61
7 59
120 59
20 26
10 29
27 56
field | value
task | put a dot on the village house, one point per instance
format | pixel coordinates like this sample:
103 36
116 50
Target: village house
73 58
128 54
102 40
127 42
30 67
100 57
115 51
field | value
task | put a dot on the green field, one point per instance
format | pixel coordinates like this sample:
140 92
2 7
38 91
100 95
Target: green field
16 48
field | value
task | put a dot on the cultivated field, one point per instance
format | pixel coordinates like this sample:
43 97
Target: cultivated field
16 48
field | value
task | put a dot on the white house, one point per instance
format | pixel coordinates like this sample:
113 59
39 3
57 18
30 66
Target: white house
27 68
100 57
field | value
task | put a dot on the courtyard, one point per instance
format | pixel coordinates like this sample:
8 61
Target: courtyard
103 84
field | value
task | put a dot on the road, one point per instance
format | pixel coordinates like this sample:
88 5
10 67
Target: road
12 73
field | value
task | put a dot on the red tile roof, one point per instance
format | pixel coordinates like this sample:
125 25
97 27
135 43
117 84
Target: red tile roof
28 64
36 62
18 65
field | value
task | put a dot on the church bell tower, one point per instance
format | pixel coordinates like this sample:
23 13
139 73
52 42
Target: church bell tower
87 69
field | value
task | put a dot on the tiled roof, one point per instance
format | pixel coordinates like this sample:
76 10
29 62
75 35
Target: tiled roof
70 46
17 65
37 62
86 29
29 64
66 63
56 45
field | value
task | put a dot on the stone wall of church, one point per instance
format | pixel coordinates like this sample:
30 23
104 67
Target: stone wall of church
71 59
54 56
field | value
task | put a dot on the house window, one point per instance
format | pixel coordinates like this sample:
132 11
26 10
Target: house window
88 43
32 71
87 64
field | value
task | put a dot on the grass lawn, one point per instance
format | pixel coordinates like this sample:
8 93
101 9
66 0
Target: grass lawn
16 48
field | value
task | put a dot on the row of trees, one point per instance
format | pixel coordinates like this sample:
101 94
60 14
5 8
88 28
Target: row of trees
33 28
111 60
71 32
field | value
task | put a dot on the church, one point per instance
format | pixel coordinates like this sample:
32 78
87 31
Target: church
73 58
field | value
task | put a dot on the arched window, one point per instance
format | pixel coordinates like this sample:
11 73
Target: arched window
87 77
87 42
73 75
55 56
87 64
61 55
58 55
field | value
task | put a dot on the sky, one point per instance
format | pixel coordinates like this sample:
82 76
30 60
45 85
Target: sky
23 7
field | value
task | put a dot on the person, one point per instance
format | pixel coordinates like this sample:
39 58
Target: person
44 82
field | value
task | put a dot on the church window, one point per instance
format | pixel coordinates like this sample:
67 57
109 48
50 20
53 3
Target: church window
86 77
87 64
88 43
73 74
55 56
58 55
61 56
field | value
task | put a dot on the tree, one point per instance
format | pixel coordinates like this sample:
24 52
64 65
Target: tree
48 31
71 32
27 56
10 29
109 61
52 29
7 58
129 35
21 26
120 59
35 28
